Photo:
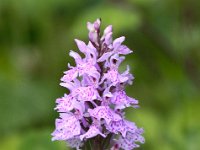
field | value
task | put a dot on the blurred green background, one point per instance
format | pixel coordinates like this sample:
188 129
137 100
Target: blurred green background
36 36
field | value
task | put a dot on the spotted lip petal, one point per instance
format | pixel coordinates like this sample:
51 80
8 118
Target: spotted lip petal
121 100
70 75
65 104
67 127
104 112
93 131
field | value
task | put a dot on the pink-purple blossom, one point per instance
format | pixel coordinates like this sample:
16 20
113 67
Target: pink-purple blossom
93 109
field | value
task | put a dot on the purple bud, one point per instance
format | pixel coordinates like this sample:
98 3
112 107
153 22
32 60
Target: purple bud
97 24
94 30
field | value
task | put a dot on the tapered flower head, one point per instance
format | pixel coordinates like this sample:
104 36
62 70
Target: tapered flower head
93 110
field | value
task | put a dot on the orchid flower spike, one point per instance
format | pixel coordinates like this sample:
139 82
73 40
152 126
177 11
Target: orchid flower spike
91 114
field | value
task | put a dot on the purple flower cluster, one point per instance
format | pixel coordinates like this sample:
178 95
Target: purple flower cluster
93 110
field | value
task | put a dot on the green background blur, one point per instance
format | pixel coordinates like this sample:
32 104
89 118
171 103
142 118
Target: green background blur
36 36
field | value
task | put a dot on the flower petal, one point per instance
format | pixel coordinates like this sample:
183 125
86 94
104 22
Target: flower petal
118 41
104 112
66 128
93 131
76 57
70 75
81 45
